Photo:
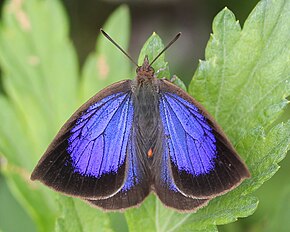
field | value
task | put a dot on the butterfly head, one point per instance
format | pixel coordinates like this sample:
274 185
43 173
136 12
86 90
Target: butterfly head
145 71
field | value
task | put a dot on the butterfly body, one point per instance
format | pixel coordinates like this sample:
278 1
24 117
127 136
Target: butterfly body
138 136
145 91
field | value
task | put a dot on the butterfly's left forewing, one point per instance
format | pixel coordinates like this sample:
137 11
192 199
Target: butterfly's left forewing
89 156
203 163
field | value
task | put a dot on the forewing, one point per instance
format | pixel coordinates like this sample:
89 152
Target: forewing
87 158
203 162
137 182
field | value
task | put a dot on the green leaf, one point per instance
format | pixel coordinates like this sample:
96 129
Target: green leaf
152 47
39 73
78 216
43 213
280 221
243 83
245 78
107 64
10 208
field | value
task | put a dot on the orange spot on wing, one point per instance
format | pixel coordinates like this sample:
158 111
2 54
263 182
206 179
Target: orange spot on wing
150 153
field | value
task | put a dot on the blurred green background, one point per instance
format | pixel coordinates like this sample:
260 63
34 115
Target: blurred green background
193 19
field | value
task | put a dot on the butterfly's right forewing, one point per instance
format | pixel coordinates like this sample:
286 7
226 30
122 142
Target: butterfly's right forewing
87 158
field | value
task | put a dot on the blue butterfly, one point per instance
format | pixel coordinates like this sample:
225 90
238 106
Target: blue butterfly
138 136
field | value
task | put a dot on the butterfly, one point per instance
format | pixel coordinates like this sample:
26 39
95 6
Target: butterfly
140 136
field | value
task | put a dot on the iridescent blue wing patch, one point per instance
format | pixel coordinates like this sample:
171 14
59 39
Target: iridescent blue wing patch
88 157
203 162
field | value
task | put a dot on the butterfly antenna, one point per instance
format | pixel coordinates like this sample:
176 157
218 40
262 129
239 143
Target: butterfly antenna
118 46
168 45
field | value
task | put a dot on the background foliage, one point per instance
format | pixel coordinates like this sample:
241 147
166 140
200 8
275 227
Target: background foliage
243 82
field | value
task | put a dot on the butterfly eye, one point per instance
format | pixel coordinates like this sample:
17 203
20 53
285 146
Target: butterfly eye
138 69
